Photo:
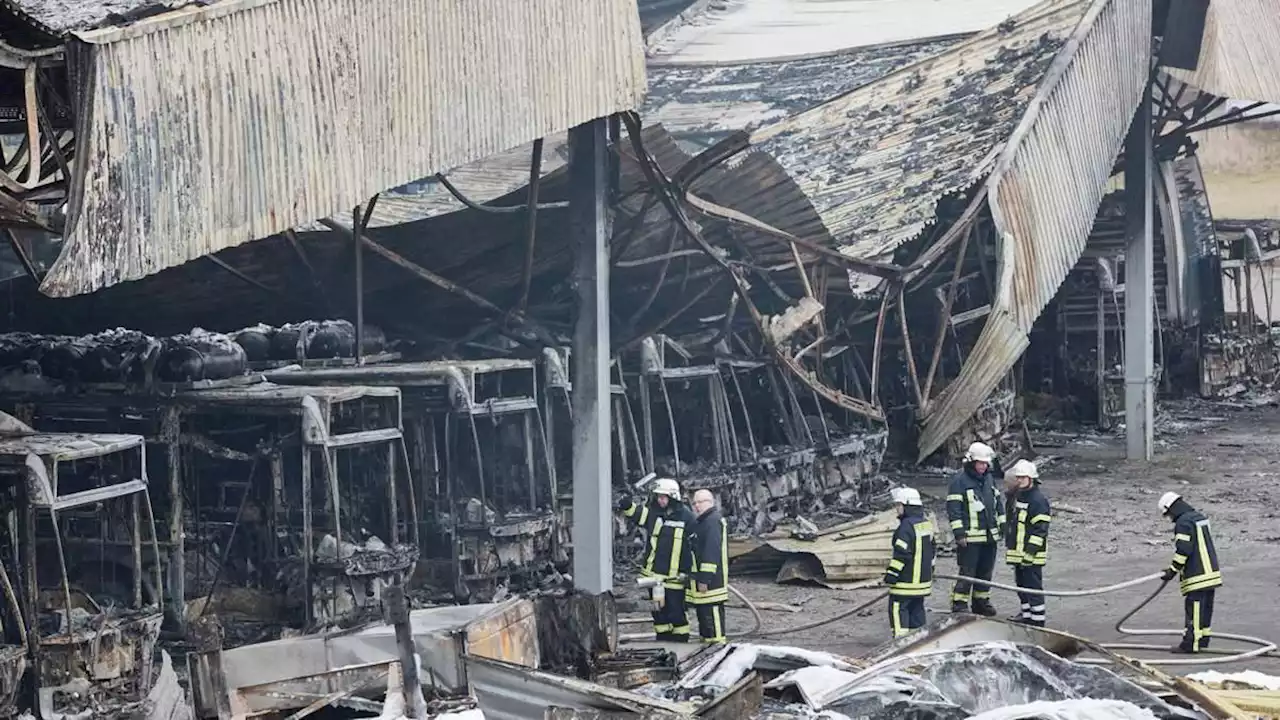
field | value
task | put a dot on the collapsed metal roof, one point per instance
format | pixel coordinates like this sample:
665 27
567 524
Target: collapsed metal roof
736 31
701 103
1045 190
190 124
875 162
1239 58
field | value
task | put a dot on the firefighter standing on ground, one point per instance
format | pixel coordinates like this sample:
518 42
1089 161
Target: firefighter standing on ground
666 522
709 587
1195 560
1026 538
910 574
977 518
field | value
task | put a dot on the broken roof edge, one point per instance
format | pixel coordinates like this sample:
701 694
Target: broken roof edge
1238 58
1032 14
1045 191
661 62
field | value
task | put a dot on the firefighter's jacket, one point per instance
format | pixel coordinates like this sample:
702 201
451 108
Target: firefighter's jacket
670 553
910 571
1194 557
711 559
1026 528
974 507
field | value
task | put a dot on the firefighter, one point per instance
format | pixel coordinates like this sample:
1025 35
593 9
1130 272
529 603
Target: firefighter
1026 538
709 589
1196 561
666 521
910 573
977 519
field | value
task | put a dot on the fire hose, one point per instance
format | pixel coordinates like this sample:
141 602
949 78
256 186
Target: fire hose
1264 646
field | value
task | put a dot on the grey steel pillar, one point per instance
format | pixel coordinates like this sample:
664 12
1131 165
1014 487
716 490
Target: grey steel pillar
589 227
1139 281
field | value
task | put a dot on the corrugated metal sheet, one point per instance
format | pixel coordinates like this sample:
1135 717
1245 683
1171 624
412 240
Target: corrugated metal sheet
68 15
701 102
752 30
1240 57
248 117
511 692
1046 189
875 162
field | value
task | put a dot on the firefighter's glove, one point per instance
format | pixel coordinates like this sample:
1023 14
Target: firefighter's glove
1168 574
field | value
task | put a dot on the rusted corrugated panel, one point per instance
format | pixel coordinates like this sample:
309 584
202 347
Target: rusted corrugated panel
209 127
1240 57
1045 191
875 162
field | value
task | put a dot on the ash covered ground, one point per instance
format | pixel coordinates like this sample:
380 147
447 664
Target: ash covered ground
1225 458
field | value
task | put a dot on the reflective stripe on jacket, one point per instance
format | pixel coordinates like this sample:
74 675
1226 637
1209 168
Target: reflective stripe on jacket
1194 557
910 571
711 560
669 553
1026 532
974 507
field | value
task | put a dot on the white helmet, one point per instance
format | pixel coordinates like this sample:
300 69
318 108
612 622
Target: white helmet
1167 500
1025 468
980 452
905 496
666 486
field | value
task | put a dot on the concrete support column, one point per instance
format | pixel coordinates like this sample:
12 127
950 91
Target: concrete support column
589 227
1139 281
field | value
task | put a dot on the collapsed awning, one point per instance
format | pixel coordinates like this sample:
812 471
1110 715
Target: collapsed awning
211 126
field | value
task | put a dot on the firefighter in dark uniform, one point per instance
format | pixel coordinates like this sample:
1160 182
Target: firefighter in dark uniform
709 587
1195 560
1026 538
910 573
666 522
977 520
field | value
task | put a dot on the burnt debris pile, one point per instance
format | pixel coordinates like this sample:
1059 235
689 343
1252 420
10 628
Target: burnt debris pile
309 340
116 357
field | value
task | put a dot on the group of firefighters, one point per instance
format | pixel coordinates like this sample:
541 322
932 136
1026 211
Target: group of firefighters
688 551
981 517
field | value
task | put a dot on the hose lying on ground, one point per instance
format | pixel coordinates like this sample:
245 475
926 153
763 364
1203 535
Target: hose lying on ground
755 612
1264 646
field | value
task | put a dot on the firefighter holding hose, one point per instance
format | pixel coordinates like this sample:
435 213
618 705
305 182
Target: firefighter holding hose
1026 539
1195 561
910 573
667 522
977 521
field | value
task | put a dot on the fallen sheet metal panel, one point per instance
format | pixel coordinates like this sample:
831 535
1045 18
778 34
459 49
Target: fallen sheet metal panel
314 664
844 556
167 700
728 665
510 692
